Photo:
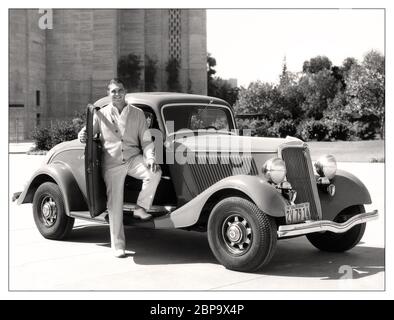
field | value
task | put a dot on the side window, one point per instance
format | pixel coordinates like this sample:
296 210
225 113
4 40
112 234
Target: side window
149 119
150 116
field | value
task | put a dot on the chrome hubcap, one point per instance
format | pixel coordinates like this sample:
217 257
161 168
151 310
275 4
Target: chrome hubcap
234 233
237 234
48 211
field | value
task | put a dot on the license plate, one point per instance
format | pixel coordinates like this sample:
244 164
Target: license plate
297 213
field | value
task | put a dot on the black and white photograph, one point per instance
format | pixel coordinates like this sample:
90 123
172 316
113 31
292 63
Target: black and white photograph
196 149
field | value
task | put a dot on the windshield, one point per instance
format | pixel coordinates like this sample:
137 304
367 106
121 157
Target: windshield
198 118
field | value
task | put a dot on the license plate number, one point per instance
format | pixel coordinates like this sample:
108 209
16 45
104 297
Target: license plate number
297 213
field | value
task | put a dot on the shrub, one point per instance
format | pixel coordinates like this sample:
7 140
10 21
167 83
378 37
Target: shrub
363 130
259 128
63 131
273 131
42 138
263 127
312 130
286 127
60 131
339 129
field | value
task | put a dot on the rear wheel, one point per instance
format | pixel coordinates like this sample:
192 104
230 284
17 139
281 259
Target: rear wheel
339 242
49 213
240 235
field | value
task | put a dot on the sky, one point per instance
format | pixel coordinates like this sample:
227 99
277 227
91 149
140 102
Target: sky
251 44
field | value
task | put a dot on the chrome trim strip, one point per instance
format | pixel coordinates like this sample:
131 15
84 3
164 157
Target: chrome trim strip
325 225
313 183
291 144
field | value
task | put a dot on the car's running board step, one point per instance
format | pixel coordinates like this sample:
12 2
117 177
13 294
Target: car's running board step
154 209
127 207
85 215
325 225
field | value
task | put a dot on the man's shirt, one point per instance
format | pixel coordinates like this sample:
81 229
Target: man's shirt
122 135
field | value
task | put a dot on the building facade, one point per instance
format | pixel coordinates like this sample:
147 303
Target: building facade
60 60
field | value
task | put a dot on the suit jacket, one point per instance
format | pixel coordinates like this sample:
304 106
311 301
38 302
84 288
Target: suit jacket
122 138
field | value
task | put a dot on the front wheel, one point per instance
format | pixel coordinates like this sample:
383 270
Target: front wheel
241 236
339 242
49 213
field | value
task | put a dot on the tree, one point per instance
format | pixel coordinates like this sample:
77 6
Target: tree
374 61
172 69
150 73
286 78
347 64
212 85
292 97
222 89
211 63
365 90
129 71
318 90
263 99
317 64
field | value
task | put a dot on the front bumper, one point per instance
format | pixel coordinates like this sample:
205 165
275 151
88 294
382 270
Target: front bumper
325 225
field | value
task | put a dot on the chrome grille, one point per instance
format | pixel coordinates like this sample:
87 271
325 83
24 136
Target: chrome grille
300 175
209 169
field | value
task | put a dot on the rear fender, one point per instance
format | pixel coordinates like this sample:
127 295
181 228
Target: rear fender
349 191
59 173
265 196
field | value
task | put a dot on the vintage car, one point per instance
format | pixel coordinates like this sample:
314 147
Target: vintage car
245 192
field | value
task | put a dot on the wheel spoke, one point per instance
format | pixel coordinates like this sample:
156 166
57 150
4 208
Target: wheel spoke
237 234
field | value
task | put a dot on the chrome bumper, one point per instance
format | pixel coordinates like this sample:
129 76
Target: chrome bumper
325 225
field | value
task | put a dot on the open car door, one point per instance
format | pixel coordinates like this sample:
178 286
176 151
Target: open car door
95 186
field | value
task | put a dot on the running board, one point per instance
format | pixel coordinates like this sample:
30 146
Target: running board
154 209
85 215
128 207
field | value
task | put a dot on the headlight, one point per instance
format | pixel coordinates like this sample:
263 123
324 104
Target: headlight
326 166
274 170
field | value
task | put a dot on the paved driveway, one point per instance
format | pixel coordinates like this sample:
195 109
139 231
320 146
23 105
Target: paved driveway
182 260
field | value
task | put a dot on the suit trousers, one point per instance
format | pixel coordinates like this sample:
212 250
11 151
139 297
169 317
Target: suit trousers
114 180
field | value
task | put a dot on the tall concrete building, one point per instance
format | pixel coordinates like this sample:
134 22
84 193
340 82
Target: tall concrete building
61 59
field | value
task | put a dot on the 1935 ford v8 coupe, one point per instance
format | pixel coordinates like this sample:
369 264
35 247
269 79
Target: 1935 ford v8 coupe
245 192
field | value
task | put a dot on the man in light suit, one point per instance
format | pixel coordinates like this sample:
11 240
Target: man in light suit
124 134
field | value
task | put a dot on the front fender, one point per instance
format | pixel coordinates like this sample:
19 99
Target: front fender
265 196
349 191
61 174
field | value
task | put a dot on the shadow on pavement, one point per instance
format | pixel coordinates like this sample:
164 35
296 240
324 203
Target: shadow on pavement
298 258
293 257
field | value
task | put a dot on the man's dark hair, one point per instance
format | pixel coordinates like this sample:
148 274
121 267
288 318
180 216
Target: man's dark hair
115 81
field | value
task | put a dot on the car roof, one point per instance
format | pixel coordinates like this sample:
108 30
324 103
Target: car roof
157 99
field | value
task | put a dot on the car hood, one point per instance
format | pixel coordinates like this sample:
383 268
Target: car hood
232 143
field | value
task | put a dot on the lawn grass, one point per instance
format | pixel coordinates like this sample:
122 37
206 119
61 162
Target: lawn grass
349 151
